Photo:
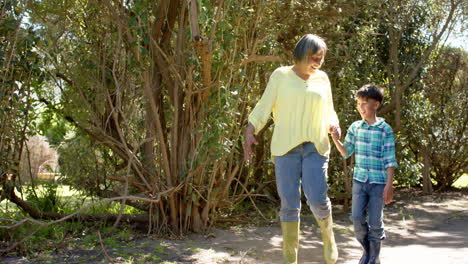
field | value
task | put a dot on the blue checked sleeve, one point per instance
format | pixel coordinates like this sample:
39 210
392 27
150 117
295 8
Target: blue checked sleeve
349 141
389 148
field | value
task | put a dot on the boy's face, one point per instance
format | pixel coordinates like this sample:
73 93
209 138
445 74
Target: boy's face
367 107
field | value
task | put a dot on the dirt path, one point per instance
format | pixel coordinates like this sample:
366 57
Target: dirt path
420 229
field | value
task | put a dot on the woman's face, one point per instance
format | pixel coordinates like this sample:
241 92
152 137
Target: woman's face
312 62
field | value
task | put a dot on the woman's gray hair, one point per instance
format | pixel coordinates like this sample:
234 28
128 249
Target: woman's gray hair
308 44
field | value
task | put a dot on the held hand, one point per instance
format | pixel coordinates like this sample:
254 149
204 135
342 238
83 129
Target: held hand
388 194
249 140
335 131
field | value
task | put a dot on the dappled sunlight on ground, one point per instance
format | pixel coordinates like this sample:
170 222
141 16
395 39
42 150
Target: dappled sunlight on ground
429 229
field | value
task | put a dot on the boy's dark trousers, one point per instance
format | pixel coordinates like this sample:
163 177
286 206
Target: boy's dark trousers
367 212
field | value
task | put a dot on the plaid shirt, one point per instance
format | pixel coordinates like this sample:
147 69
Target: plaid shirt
375 150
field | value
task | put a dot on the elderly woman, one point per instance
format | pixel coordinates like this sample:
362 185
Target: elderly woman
300 98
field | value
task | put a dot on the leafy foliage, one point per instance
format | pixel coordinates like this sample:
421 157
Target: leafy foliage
436 113
20 75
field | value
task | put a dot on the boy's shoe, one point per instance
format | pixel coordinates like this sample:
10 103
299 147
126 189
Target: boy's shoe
290 232
374 251
330 251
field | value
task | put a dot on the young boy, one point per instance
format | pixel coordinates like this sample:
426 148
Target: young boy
372 141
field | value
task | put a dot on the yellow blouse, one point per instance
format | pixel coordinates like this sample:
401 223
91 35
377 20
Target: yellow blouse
302 110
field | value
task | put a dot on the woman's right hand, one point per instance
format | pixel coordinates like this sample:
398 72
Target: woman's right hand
249 140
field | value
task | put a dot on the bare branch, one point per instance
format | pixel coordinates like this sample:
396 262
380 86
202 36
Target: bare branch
104 249
260 59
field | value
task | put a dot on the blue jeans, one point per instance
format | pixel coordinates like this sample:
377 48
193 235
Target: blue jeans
367 211
302 165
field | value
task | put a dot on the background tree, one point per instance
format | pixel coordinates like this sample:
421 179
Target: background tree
20 74
437 138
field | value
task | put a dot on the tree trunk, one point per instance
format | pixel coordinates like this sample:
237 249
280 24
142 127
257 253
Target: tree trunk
427 184
109 218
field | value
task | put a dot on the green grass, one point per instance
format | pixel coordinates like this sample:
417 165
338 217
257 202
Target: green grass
66 201
70 200
462 182
63 191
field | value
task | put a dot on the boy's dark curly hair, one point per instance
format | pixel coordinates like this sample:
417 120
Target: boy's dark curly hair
371 91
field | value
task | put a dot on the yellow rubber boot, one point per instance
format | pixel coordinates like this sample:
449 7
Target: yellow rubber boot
290 241
330 251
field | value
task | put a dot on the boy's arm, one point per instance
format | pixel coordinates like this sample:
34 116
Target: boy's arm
339 145
346 148
390 163
388 190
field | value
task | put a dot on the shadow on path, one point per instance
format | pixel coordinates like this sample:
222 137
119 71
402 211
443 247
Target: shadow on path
420 229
